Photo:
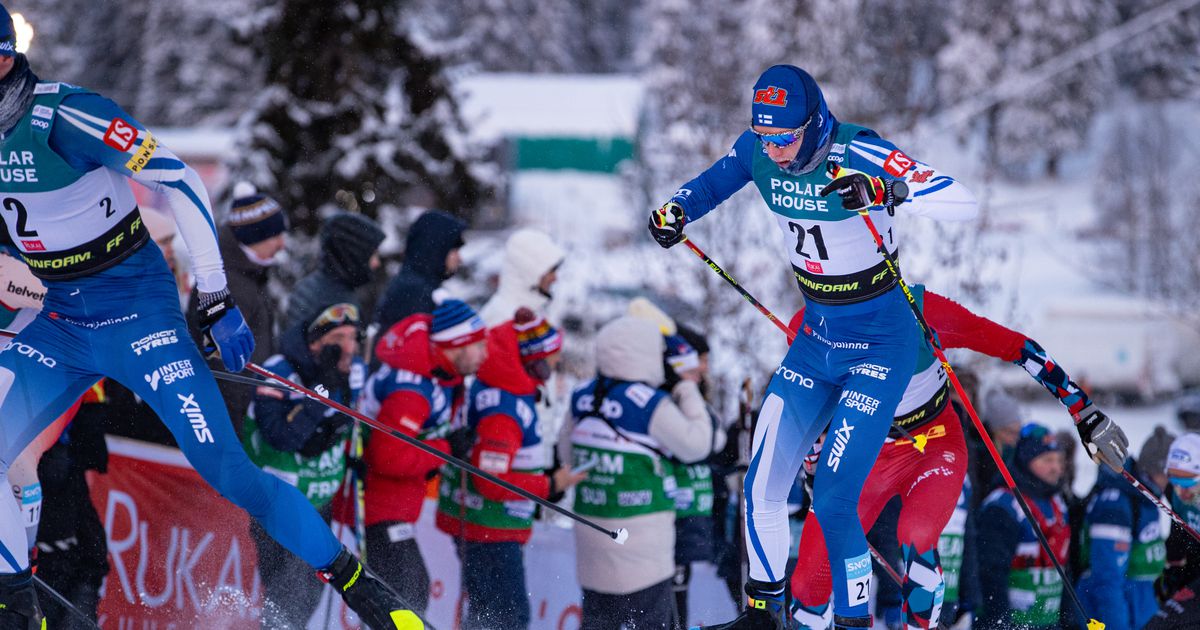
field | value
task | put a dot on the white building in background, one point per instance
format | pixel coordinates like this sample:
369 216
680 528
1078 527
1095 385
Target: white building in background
563 140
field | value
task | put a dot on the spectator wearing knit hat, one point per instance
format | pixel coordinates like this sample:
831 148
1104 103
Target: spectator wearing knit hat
250 238
1124 542
349 257
418 390
1020 586
492 524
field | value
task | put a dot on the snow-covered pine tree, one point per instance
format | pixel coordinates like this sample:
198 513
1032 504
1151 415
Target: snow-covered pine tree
990 43
358 114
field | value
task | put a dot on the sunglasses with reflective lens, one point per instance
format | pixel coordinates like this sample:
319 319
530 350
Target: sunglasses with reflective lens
783 138
1184 482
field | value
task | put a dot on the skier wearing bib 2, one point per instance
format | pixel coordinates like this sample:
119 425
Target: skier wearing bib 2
856 315
111 309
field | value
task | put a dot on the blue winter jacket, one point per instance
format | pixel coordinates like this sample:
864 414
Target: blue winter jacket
1125 551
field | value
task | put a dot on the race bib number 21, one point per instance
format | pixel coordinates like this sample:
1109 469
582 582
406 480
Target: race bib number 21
858 579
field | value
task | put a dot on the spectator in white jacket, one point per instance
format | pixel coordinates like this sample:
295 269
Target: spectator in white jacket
630 432
531 261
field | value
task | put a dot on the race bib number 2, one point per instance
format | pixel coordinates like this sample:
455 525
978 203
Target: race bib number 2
858 579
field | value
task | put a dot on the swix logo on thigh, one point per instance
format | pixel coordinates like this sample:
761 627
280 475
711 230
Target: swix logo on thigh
154 340
859 401
841 437
27 350
871 369
795 377
169 373
191 410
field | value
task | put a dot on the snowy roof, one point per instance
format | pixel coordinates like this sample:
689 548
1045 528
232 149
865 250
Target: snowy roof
550 105
193 142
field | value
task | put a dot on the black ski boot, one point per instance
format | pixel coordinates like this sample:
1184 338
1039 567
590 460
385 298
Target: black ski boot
19 608
850 623
766 608
378 606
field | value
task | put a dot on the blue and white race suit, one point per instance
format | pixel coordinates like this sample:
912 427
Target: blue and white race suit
111 307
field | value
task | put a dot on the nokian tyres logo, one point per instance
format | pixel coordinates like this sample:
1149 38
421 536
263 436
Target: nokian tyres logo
793 376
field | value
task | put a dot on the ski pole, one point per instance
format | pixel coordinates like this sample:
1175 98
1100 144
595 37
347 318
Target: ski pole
64 602
1162 505
620 535
791 336
734 283
892 266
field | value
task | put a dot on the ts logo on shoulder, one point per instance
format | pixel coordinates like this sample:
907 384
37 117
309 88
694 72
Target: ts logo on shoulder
897 164
120 135
772 95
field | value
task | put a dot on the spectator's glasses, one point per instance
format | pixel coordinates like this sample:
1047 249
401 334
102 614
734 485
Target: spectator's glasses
784 138
1184 482
338 315
344 314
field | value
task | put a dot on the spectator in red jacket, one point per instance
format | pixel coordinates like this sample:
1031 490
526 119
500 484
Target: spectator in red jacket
492 523
418 390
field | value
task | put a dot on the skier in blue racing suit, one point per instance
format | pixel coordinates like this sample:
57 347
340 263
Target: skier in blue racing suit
111 309
856 349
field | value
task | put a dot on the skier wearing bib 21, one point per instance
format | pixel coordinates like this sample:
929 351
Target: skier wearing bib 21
856 314
111 309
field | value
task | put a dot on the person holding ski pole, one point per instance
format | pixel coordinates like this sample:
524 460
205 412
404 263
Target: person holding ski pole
924 458
856 315
69 213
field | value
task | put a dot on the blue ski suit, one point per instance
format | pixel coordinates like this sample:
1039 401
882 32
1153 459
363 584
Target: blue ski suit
856 317
111 307
1126 550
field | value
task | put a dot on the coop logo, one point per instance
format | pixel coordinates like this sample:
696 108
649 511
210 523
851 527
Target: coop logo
154 340
169 373
871 369
859 401
773 96
195 416
795 377
27 350
841 437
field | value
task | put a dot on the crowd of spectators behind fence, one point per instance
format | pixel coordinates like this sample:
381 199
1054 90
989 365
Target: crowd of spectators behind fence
473 384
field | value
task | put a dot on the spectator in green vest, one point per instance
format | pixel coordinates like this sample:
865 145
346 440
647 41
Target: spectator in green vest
302 443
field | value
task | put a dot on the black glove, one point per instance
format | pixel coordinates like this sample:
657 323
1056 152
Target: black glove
328 373
556 494
666 224
223 330
461 441
1104 440
859 190
670 378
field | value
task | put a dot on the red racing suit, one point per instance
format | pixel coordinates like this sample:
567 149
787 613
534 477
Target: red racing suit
928 481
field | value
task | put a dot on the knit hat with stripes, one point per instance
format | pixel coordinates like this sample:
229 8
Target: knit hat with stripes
536 338
456 324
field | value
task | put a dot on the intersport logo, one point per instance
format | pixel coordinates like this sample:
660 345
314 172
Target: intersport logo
169 373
